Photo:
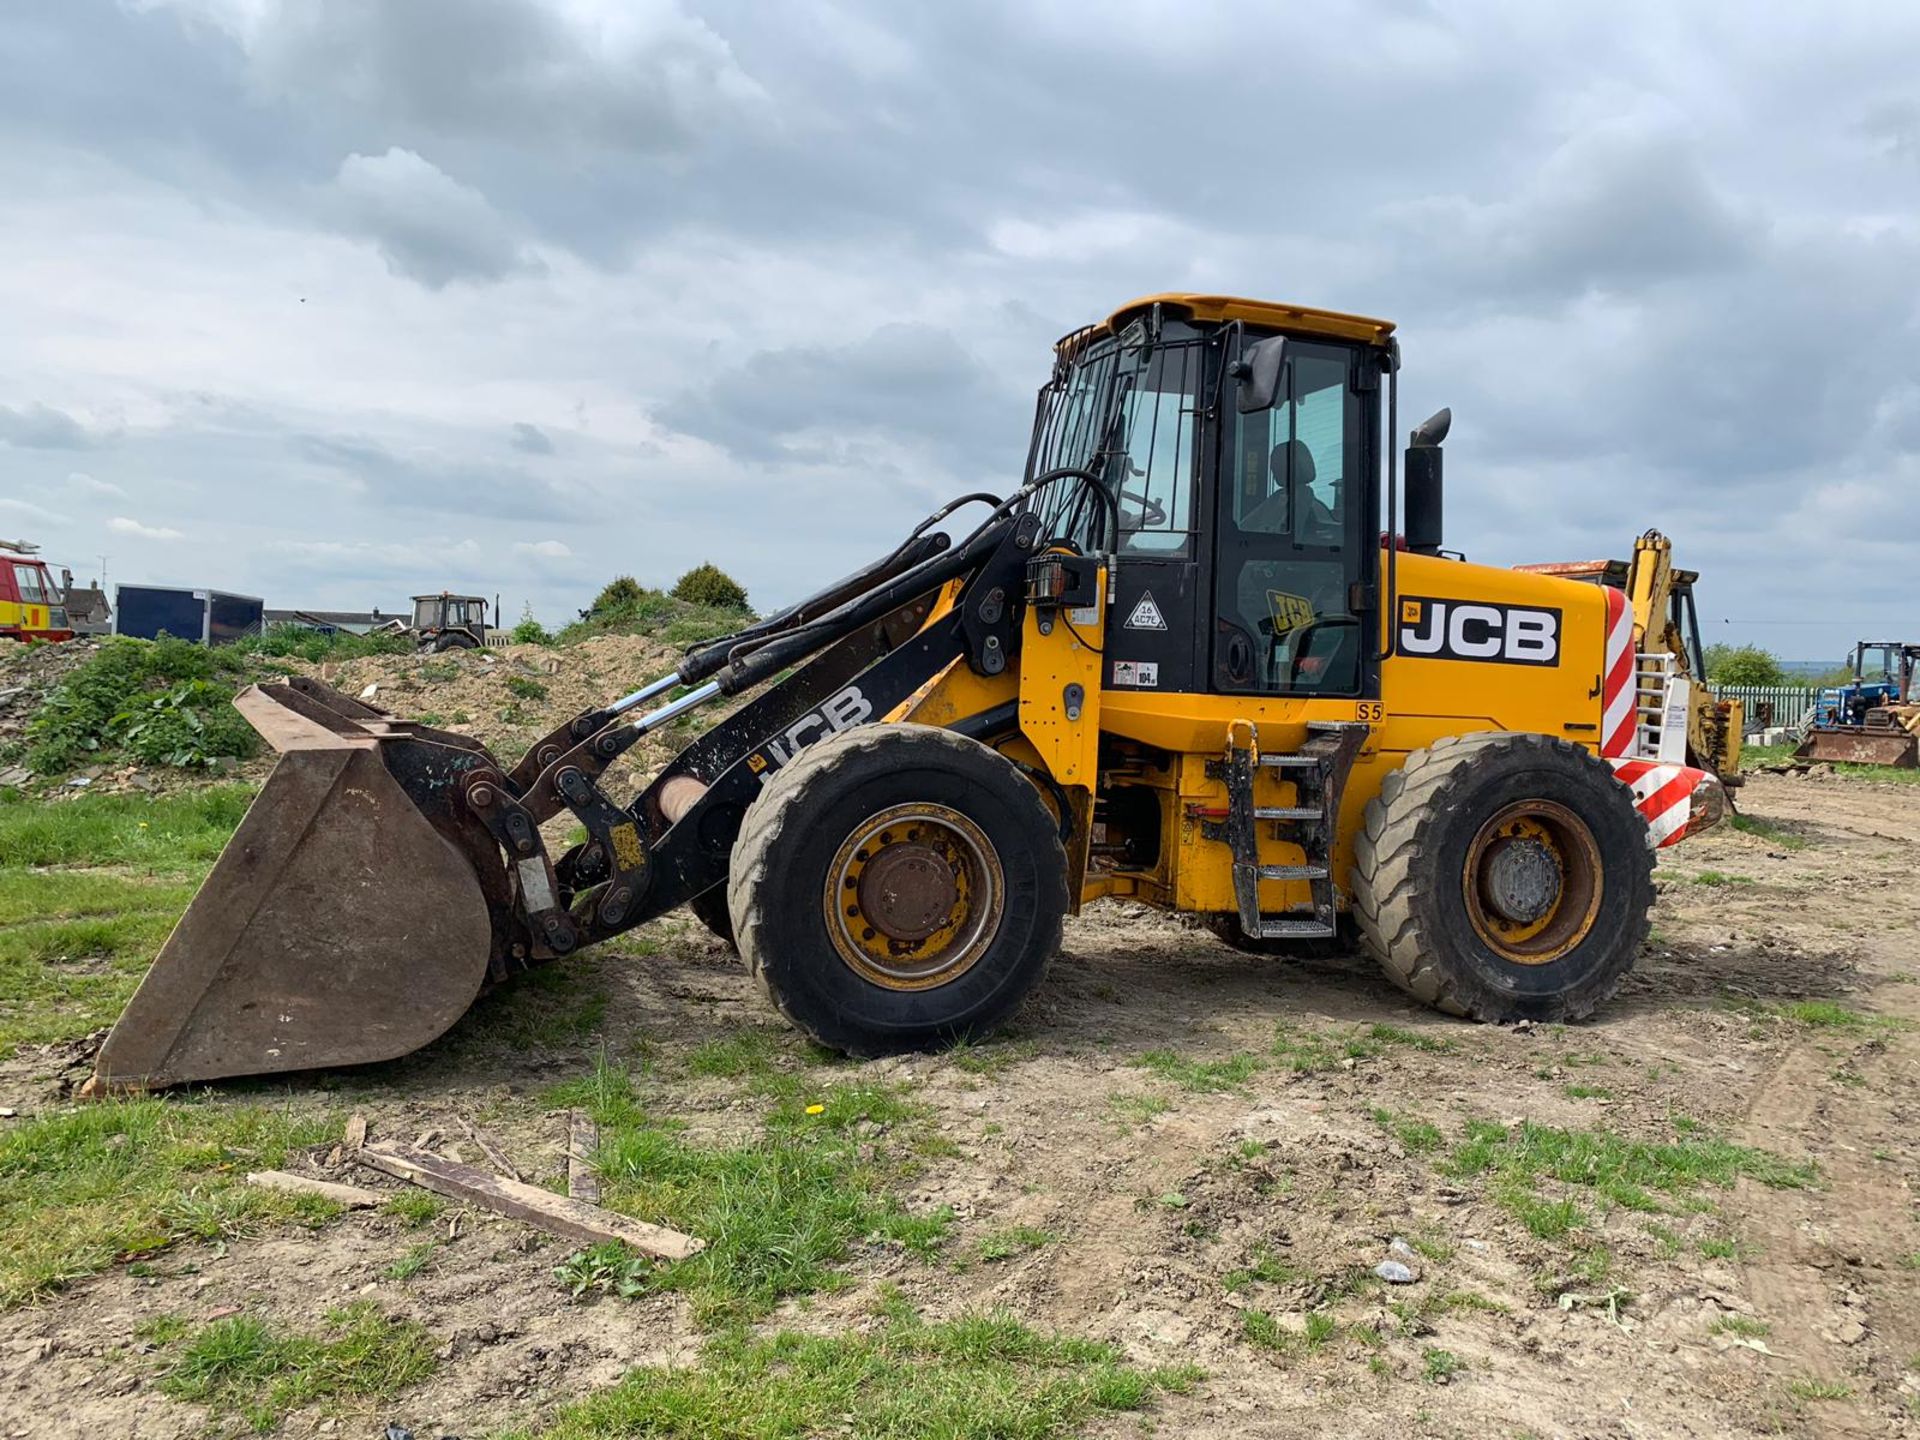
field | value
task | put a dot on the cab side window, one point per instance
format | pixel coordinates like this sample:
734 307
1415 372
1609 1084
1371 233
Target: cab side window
1288 550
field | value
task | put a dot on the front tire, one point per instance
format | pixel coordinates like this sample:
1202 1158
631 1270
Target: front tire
1504 877
896 887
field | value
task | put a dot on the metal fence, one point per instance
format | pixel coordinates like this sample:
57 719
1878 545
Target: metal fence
1769 705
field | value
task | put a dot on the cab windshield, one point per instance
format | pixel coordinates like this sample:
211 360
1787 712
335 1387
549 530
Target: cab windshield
1128 411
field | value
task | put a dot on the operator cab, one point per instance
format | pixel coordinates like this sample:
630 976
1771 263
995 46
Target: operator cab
449 622
1239 443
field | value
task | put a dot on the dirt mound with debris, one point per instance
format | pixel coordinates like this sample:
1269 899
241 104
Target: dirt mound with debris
505 698
28 674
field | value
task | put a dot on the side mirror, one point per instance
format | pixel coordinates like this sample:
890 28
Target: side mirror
1258 372
1425 490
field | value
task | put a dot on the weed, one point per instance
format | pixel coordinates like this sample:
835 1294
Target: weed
1321 1327
1263 1330
1719 1248
416 1259
165 702
1130 1110
1394 1035
522 688
1264 1266
1473 1300
1743 1325
1586 1092
414 1208
974 1376
1715 878
1004 1244
241 1366
1818 1390
1438 1366
1201 1075
1830 1015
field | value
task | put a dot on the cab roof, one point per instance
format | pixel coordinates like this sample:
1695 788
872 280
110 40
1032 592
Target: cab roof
1216 309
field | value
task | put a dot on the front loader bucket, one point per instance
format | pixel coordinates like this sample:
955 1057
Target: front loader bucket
1857 745
340 925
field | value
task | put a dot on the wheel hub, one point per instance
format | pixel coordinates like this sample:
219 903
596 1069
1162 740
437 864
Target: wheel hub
1522 879
908 891
1532 882
914 896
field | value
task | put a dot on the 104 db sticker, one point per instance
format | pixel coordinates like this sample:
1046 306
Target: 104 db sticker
1479 630
1137 674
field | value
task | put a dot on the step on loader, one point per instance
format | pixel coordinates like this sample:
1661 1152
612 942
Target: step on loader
1210 656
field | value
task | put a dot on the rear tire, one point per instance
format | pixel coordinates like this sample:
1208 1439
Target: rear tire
1504 877
896 887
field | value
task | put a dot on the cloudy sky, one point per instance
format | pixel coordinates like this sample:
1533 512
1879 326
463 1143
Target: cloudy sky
330 300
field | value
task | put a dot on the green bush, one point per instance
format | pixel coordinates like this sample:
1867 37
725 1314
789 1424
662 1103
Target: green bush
621 591
284 642
711 586
530 631
165 702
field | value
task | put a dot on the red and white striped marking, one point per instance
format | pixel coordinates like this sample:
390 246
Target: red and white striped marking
1619 719
1663 794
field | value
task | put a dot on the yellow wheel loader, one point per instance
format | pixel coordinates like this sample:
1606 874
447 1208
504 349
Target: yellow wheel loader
1210 655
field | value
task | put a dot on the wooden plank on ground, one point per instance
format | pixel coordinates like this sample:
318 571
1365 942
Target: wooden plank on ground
556 1214
356 1135
496 1157
354 1197
583 1138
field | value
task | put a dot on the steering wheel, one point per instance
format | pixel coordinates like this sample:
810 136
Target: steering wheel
1152 513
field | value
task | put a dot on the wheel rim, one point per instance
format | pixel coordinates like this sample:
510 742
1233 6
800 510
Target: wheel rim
1533 882
913 896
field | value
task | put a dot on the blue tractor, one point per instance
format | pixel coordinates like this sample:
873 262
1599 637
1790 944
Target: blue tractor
1869 719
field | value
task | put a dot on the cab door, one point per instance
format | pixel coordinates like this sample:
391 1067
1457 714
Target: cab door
1294 541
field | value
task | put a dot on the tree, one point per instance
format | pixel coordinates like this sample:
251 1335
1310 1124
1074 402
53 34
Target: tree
530 631
712 586
1743 665
621 592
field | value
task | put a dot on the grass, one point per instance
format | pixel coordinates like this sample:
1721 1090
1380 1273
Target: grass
1130 1110
1818 1390
1201 1075
1768 831
1830 1015
975 1378
1263 1266
242 1366
417 1258
1309 1052
1586 1092
780 1210
414 1208
1741 1325
124 1179
75 941
1015 1240
1632 1174
1416 1136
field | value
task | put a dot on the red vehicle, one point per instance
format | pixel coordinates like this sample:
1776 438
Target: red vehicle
32 606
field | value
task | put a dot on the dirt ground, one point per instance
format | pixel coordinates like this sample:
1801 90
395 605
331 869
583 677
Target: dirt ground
1743 1310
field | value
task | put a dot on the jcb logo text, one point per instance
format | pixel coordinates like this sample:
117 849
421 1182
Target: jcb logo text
843 710
1477 630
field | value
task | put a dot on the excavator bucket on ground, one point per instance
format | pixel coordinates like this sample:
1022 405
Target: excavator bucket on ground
1860 745
352 917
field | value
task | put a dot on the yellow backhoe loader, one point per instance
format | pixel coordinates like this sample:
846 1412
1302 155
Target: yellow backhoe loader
1679 717
1209 655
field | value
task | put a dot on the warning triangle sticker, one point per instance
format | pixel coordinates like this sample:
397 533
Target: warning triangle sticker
1146 615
